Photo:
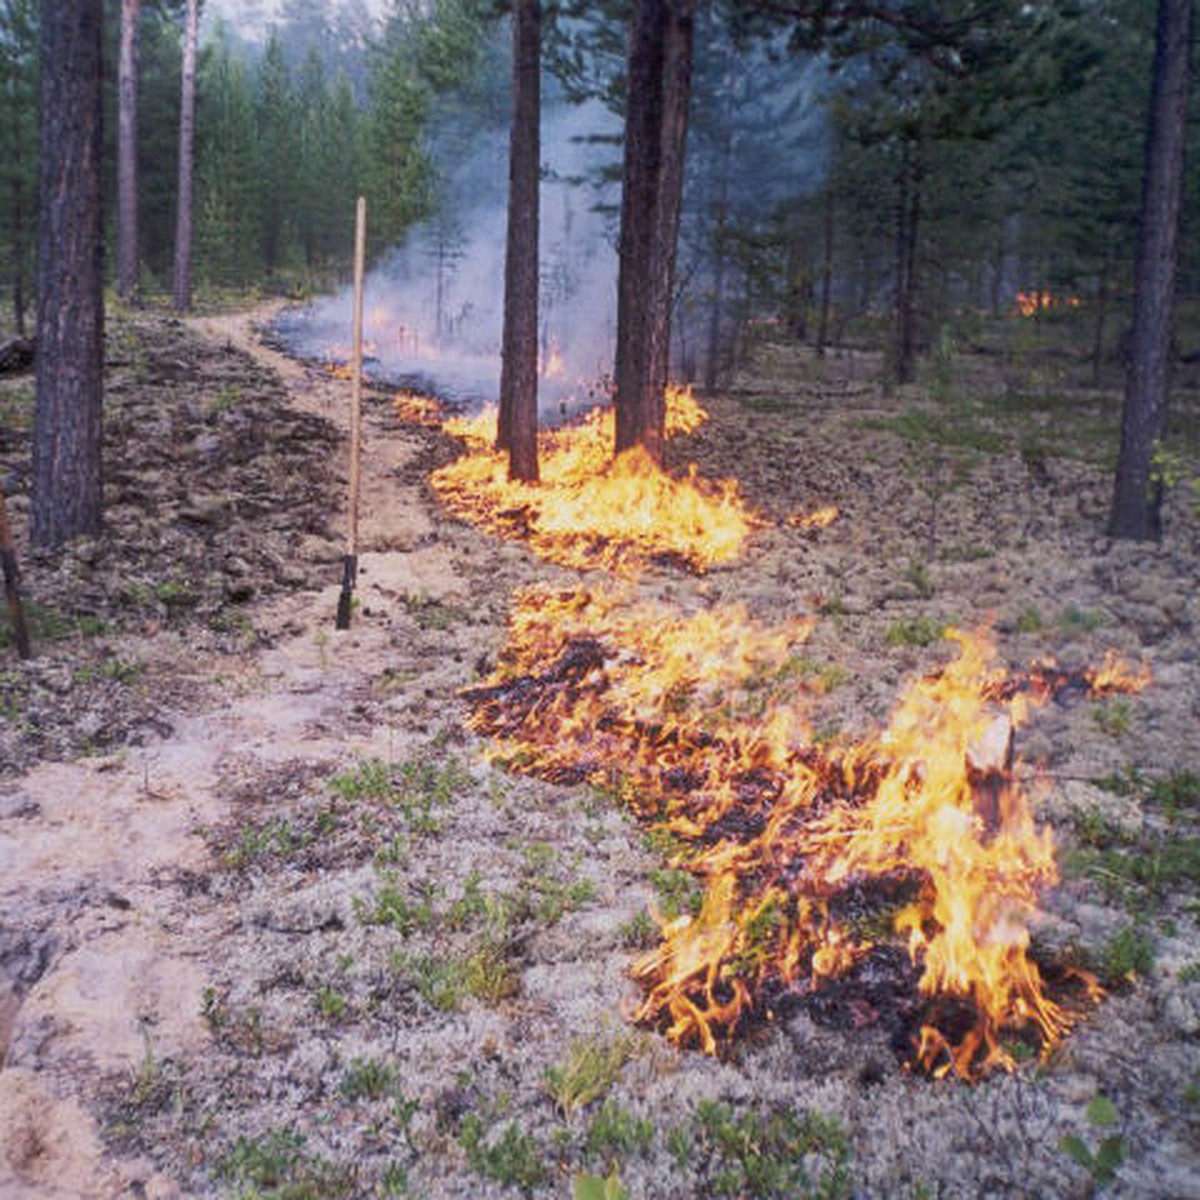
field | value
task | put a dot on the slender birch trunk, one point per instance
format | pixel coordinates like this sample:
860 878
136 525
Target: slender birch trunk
127 153
182 289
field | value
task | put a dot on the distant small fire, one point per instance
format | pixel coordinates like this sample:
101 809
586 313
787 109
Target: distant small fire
1029 304
551 363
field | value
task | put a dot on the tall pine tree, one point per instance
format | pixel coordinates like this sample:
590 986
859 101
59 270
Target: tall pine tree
185 194
70 278
656 114
517 425
228 224
276 111
1137 496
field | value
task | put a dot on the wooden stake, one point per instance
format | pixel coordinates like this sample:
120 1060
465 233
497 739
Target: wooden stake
12 580
350 560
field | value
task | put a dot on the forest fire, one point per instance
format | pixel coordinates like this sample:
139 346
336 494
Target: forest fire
417 408
902 870
818 518
551 364
1030 304
817 862
590 510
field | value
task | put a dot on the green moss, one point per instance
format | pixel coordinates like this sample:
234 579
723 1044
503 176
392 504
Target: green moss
512 1159
772 1153
915 631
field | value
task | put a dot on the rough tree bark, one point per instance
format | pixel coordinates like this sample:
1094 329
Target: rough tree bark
70 277
659 90
182 286
1137 498
908 227
127 152
716 314
826 274
518 418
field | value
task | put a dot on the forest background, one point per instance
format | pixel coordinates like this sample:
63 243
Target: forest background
832 183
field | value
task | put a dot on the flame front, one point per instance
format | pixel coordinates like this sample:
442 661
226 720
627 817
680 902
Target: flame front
818 518
590 510
813 860
703 721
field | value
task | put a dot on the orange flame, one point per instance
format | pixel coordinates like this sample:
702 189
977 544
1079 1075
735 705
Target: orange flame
813 858
705 722
819 518
590 510
1115 677
1028 304
551 364
417 408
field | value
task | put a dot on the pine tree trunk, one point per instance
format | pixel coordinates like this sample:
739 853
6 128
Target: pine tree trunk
716 315
439 287
182 289
1137 498
907 230
797 286
826 275
127 152
716 355
1099 326
659 90
517 429
18 217
70 283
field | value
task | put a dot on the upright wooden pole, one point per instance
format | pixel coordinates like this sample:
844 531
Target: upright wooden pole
350 560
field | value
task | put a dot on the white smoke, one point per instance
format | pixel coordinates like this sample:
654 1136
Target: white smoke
433 308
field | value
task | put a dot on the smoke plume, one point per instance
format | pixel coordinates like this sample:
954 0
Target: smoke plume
433 307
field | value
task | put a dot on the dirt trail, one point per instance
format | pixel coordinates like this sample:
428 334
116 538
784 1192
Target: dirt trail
105 975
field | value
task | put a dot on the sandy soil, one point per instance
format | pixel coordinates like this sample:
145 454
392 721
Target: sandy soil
272 927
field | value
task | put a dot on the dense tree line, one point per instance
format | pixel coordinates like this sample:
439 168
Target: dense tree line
913 171
18 153
284 141
884 173
852 170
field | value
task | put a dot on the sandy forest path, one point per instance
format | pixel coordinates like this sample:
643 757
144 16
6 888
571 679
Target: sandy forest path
107 975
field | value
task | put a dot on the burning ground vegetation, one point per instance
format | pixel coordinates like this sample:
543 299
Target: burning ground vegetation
842 839
700 723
